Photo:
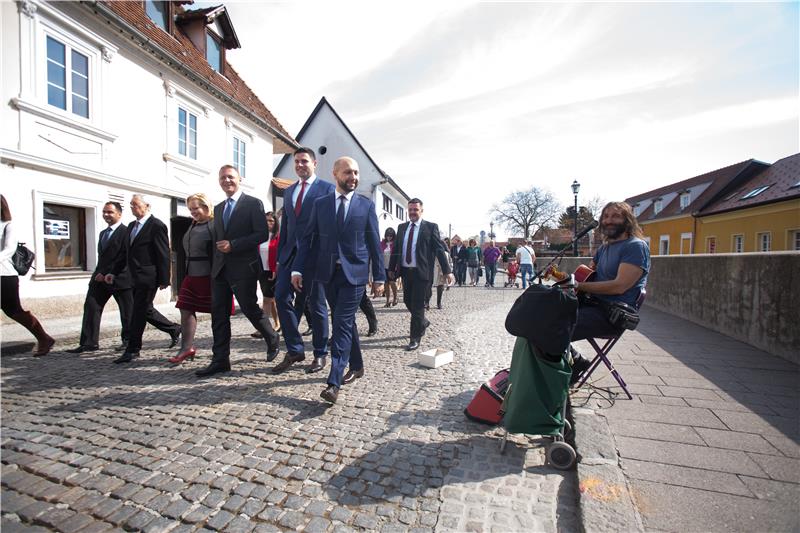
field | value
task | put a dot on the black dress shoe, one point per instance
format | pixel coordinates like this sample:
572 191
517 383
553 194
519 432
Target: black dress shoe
81 349
331 394
353 375
579 365
288 360
213 368
413 345
372 331
316 366
127 357
272 354
174 337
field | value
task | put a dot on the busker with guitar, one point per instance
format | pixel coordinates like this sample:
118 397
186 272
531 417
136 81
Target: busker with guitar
620 267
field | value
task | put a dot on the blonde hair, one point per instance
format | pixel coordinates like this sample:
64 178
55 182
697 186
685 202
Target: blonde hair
203 200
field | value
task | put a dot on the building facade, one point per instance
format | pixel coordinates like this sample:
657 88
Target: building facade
110 99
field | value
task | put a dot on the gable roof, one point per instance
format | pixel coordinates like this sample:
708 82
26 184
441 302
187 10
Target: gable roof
705 188
781 181
211 14
176 50
324 102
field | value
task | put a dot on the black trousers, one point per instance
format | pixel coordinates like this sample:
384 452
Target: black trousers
9 295
369 310
144 312
415 292
96 298
222 290
593 322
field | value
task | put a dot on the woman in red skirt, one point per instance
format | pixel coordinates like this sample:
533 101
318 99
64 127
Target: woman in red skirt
195 292
268 251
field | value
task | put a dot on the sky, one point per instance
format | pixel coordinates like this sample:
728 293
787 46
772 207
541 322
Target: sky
464 102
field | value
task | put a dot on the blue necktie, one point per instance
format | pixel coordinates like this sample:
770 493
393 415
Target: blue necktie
104 238
340 212
135 230
226 214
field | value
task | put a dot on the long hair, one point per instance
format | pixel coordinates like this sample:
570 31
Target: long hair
5 212
390 232
632 227
275 228
203 200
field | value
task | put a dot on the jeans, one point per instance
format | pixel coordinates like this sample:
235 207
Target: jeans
526 271
491 271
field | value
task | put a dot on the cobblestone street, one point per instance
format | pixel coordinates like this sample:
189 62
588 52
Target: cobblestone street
91 446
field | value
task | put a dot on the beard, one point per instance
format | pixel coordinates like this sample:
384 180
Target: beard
613 231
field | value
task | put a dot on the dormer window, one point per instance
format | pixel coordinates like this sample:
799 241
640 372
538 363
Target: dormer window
637 209
686 199
158 12
657 206
214 51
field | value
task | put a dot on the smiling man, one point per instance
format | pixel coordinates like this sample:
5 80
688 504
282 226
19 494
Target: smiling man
240 225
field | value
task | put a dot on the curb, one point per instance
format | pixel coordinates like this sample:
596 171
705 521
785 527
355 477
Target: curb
604 501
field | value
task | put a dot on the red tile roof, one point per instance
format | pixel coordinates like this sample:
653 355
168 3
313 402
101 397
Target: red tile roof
782 182
182 51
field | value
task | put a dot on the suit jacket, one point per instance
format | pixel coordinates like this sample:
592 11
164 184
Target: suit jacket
430 248
147 257
293 227
359 242
247 229
114 251
461 256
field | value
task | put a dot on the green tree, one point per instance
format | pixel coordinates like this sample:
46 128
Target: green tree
567 219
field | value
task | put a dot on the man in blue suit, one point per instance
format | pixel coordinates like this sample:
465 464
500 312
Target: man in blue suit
341 240
298 201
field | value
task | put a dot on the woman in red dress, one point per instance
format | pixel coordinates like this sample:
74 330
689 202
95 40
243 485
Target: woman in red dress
268 251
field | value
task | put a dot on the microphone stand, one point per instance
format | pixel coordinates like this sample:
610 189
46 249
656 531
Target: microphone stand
538 275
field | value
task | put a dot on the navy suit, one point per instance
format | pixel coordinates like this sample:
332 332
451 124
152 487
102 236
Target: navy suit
290 304
342 258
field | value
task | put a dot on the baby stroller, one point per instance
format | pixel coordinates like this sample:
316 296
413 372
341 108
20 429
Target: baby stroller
511 274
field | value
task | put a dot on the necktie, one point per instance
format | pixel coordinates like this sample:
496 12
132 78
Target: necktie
298 205
135 230
226 214
340 212
104 238
410 244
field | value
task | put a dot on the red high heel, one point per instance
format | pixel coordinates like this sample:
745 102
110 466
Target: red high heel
181 357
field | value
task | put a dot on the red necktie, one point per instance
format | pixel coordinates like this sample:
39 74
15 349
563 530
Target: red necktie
410 244
299 204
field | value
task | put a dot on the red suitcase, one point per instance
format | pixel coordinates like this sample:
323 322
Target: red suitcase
485 406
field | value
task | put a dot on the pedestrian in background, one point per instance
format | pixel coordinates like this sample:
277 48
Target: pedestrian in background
525 258
439 279
458 254
9 285
268 252
490 256
194 296
473 261
387 246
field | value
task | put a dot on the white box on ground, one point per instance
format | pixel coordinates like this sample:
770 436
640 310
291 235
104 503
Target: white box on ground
436 357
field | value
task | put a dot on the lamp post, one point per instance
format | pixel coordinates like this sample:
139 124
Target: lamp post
491 230
575 188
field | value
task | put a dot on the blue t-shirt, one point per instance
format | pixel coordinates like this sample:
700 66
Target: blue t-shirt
633 251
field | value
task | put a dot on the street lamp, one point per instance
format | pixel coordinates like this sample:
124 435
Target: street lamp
575 188
491 230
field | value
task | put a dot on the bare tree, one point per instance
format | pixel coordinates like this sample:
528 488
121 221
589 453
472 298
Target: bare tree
595 206
526 211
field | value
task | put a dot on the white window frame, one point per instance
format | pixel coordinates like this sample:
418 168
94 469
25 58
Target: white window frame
684 237
240 155
737 243
711 239
794 240
662 241
658 206
759 241
391 203
189 114
685 199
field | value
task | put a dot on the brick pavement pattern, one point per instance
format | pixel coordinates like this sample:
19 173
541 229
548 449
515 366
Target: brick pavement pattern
709 441
92 446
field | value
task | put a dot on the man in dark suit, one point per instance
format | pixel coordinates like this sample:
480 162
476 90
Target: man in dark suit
341 239
459 254
239 227
299 199
418 246
147 260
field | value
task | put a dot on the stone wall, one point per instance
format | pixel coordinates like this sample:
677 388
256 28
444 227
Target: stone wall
753 297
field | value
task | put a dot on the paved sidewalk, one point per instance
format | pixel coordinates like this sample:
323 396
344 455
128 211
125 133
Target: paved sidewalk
710 440
90 446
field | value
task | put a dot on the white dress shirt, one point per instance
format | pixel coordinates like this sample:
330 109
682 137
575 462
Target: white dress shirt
413 263
309 182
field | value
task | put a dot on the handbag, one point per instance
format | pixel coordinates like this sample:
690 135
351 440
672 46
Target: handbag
545 316
22 258
480 272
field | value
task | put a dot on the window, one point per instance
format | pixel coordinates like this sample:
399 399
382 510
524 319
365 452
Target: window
686 199
755 192
67 92
738 244
158 13
663 245
636 210
400 212
239 155
213 52
795 242
64 237
187 133
387 204
657 206
764 241
711 245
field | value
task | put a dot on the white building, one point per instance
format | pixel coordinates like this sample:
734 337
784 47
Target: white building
102 100
327 134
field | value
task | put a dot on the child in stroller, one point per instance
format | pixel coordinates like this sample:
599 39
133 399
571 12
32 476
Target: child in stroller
511 273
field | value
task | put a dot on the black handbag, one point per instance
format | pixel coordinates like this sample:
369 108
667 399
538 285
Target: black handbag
22 259
545 316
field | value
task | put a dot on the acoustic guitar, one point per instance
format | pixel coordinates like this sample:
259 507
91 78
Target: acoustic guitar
581 274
